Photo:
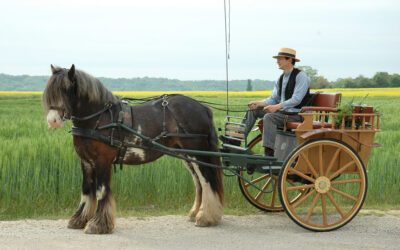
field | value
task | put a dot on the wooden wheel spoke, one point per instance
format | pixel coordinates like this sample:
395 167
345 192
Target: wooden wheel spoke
321 170
335 204
342 169
345 181
301 175
303 199
257 180
274 193
312 207
323 203
301 188
333 160
309 165
291 183
257 197
344 194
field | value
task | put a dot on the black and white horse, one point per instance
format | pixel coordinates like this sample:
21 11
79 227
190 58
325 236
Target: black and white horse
76 93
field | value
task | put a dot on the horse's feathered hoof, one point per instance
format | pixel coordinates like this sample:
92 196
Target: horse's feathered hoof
76 223
97 227
206 221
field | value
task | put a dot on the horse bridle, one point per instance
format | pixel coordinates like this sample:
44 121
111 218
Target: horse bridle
67 116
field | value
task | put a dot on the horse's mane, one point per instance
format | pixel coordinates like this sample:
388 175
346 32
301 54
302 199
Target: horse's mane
87 87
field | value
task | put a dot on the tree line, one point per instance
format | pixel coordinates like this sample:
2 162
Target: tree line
379 80
38 83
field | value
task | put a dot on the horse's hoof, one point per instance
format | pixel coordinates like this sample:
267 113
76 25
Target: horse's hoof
191 218
192 215
76 223
203 221
93 227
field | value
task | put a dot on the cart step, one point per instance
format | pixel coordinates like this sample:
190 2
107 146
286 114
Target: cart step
236 149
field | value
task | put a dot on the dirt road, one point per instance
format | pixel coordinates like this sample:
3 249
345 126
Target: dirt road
266 231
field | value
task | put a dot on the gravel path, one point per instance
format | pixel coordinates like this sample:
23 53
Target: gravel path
265 231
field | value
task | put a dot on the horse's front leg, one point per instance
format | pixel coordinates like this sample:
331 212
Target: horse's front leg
103 221
88 204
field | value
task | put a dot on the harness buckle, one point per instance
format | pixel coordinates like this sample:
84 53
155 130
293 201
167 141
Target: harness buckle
165 102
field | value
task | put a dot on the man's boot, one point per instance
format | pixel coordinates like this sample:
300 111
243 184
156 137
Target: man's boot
268 151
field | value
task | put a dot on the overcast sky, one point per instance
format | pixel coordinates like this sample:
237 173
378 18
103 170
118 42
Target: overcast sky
184 39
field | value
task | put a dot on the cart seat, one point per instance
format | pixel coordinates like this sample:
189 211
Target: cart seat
323 102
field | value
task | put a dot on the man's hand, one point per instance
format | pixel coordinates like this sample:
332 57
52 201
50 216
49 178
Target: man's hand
256 104
273 108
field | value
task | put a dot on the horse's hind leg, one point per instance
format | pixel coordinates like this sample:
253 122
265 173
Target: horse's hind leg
103 221
88 204
211 208
197 201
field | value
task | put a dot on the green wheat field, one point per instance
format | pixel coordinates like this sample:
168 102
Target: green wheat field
40 173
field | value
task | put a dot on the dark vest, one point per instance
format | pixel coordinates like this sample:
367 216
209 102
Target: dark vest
290 88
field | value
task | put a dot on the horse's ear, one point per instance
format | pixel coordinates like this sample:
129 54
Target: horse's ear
71 73
53 70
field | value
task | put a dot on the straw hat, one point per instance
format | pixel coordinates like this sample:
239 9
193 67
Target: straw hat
286 52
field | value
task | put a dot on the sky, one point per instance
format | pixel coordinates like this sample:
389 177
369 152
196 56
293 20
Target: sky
185 39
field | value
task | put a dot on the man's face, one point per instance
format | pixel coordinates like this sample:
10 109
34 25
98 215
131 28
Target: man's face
284 63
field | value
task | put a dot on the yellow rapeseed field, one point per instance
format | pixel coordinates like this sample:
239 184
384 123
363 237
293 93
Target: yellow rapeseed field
344 91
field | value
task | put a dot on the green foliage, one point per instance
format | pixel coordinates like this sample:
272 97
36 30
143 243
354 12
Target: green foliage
379 80
394 80
316 82
249 86
382 79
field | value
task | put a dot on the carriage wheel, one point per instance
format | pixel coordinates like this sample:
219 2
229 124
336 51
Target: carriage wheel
268 202
336 178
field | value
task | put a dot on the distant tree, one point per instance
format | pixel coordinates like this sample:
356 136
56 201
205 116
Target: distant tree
316 82
394 80
249 86
363 82
381 79
312 73
348 83
321 83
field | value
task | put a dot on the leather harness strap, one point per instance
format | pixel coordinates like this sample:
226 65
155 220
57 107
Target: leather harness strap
125 117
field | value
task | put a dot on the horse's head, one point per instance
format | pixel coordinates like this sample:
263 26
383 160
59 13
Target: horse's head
74 93
61 88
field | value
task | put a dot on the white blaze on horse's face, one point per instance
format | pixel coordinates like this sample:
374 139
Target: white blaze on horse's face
54 119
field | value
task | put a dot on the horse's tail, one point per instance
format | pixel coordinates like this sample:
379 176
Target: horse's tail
213 143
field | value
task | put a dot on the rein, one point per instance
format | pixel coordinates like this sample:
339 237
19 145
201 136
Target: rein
88 117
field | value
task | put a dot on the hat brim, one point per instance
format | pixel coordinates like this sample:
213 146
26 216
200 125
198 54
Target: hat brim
296 59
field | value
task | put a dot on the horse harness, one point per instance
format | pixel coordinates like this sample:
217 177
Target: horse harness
125 117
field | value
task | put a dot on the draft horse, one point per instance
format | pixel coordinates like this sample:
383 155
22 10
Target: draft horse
78 95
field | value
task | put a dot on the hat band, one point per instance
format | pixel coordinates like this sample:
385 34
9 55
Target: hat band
286 54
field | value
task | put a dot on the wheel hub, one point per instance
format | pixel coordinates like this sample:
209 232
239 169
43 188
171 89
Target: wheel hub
322 184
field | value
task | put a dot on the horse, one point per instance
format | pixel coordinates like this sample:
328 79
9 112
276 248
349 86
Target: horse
76 94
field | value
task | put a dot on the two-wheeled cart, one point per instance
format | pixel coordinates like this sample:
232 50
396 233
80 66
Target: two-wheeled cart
318 175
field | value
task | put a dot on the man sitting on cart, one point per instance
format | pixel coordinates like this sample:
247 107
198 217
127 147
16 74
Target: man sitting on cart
291 92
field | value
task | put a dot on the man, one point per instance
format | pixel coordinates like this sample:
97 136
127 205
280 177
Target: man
290 94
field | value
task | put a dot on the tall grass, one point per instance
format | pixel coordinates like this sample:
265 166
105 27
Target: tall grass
40 173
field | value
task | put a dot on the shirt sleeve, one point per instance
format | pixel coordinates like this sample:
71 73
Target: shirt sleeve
300 90
274 98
